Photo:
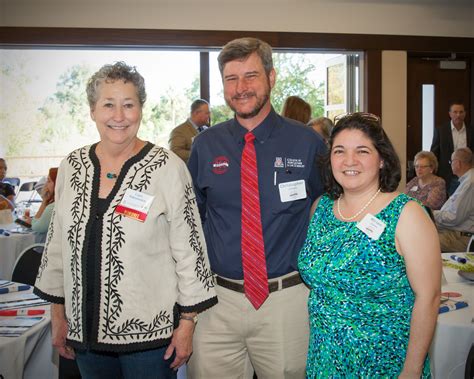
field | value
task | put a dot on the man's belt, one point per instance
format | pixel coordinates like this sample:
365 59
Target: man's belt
273 285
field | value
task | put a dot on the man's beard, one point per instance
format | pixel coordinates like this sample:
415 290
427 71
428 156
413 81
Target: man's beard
258 106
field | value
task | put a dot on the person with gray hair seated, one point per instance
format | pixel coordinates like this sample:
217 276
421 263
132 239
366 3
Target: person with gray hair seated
455 219
426 186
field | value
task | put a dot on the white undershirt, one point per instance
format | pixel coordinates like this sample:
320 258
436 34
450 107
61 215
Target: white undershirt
459 136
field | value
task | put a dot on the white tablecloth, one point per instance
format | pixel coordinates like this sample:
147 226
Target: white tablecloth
454 331
30 355
11 247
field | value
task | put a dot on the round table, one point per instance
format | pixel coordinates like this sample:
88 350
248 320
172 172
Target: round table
30 355
11 246
454 333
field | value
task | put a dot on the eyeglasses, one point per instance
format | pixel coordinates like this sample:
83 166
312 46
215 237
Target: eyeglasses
364 115
422 166
452 160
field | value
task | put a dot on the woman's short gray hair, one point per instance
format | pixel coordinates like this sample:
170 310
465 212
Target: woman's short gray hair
110 73
430 157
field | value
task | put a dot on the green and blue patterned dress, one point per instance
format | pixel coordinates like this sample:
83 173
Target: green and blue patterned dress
361 301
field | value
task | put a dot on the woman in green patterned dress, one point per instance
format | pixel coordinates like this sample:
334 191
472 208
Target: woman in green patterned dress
372 260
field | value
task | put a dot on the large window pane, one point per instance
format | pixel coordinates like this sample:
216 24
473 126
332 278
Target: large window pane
298 74
43 105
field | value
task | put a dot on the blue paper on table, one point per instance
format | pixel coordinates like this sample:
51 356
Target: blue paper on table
452 305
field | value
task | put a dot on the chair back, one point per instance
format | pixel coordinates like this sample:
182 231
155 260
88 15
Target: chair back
27 194
27 264
470 245
27 186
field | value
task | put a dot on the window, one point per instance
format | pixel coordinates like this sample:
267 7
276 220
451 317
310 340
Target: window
328 82
44 112
43 105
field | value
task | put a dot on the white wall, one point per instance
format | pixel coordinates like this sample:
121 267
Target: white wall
394 103
449 18
453 18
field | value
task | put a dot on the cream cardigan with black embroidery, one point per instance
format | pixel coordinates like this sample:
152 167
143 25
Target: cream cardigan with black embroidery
149 271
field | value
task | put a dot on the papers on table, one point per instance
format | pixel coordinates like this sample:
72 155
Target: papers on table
16 326
6 287
14 304
451 301
18 300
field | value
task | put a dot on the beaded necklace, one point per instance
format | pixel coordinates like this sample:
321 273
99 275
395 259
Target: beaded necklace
360 211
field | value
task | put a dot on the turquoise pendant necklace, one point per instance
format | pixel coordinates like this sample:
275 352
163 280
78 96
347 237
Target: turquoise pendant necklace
111 175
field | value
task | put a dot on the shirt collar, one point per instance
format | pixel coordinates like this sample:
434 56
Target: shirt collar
467 174
460 130
262 132
193 124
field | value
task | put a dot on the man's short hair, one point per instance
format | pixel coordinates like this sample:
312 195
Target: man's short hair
242 48
456 102
198 104
464 154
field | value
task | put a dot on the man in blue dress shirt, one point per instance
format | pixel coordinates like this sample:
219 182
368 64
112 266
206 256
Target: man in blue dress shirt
233 338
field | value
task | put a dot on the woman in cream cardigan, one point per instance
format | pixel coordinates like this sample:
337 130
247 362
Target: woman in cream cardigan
125 263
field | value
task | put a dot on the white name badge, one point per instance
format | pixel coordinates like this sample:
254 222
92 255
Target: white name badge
135 205
414 188
291 191
371 226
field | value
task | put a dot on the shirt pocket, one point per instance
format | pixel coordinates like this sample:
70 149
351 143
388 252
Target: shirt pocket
287 207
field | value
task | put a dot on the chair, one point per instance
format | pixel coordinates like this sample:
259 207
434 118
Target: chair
469 370
27 193
470 245
28 186
27 264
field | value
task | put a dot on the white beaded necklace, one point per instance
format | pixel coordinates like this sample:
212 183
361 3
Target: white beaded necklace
361 210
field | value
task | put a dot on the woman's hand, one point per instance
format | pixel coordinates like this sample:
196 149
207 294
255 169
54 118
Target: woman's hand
47 195
59 331
181 343
27 216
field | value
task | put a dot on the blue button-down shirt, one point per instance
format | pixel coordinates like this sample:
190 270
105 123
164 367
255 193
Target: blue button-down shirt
287 151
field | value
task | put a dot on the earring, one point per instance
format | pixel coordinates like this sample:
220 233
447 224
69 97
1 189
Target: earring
381 164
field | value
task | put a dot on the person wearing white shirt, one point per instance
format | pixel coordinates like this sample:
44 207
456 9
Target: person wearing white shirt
455 219
449 137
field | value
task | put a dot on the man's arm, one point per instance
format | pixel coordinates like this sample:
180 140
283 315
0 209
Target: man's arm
178 144
193 166
435 147
457 209
315 183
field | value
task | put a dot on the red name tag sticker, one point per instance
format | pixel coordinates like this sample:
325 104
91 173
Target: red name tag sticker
135 205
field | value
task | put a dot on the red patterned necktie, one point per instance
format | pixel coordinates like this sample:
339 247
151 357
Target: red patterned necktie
253 250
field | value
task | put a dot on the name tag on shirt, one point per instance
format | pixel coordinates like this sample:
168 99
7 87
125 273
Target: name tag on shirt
414 188
371 226
291 191
135 205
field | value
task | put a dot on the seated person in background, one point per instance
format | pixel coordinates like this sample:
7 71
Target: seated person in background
7 192
40 222
323 126
455 219
427 187
297 109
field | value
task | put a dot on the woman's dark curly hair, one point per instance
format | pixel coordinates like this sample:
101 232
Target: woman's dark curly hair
390 173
